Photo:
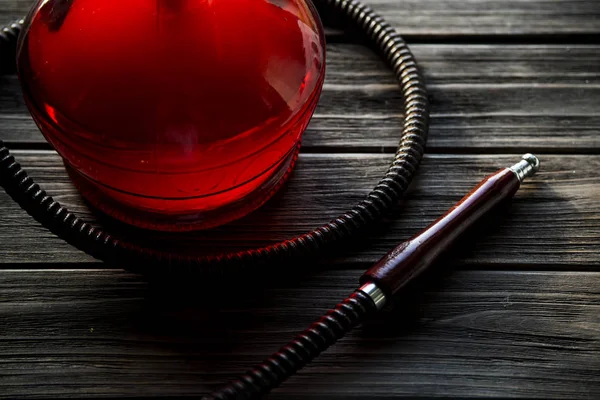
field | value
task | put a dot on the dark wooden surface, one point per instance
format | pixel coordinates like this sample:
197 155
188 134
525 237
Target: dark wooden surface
514 312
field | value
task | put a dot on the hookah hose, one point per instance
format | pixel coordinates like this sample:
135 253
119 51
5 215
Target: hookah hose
380 200
349 313
379 284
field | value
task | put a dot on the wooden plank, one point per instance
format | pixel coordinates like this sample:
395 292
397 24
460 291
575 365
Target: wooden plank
553 220
464 17
105 333
473 63
485 98
11 10
490 17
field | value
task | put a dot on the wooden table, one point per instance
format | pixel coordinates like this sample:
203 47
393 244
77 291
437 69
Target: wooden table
515 312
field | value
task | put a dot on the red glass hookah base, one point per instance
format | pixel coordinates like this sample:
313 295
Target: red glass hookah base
174 106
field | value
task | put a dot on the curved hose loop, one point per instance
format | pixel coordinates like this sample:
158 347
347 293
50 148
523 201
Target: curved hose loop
104 246
334 325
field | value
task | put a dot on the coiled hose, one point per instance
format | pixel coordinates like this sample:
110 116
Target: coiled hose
323 333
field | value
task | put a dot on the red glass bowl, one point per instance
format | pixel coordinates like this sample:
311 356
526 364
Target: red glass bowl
173 114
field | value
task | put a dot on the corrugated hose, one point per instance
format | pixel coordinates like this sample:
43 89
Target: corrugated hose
381 37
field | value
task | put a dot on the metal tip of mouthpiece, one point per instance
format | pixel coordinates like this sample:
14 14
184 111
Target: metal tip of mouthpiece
527 167
533 160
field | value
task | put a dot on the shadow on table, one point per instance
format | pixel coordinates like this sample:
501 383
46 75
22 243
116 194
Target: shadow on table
257 316
220 329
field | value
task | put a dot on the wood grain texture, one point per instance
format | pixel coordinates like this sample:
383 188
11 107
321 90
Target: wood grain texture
458 18
105 333
488 98
553 219
11 10
490 17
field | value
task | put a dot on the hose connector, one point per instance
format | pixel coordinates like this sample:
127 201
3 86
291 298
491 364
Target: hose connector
375 294
527 167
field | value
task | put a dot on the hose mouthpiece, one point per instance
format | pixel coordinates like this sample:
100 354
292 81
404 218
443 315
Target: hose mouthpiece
527 167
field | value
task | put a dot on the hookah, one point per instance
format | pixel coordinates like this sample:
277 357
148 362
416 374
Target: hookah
131 157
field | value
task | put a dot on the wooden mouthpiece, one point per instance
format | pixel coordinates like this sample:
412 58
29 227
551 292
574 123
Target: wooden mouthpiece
414 256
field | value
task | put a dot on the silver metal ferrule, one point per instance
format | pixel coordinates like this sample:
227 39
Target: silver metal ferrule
376 294
527 167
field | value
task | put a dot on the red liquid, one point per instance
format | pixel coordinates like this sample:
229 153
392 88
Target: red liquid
174 114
